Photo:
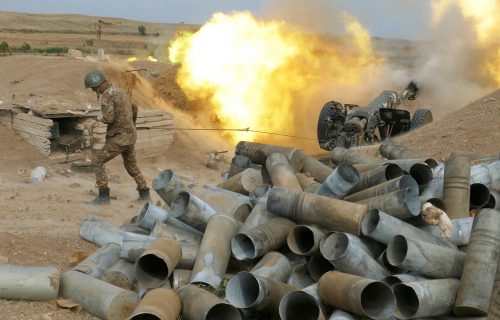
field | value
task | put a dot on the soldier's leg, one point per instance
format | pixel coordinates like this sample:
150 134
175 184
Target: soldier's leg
99 158
130 163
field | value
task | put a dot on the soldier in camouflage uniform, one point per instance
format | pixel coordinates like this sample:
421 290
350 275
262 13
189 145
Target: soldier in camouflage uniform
120 115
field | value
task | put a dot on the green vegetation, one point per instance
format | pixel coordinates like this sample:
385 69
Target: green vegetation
51 50
4 47
142 30
25 47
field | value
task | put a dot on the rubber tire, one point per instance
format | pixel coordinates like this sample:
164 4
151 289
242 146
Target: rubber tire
421 117
325 113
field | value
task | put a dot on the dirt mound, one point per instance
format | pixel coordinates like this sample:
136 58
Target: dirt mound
45 80
473 128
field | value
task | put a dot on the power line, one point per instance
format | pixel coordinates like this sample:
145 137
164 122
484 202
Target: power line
237 130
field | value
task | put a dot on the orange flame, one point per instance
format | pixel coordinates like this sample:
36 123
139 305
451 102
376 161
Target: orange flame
266 75
484 17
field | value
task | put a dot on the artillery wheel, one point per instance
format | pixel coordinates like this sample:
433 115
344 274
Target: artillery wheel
328 112
421 117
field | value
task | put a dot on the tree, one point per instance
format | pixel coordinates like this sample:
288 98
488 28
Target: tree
4 47
25 47
142 30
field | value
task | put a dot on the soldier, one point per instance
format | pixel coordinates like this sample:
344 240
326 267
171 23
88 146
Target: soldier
120 114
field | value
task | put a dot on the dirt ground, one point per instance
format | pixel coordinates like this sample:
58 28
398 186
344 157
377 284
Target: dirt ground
40 221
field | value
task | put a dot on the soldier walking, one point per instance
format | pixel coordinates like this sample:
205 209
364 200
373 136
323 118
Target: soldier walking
120 114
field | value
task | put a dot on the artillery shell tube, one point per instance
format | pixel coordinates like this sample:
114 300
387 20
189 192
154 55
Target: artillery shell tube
425 258
358 295
376 176
281 173
474 294
456 186
224 201
257 193
97 297
300 279
494 312
274 266
299 305
347 255
243 182
383 227
304 240
332 214
403 278
341 315
99 232
403 182
479 195
480 173
339 182
167 185
238 164
192 210
391 149
339 155
422 174
182 236
215 250
429 298
132 247
160 303
121 274
154 266
318 266
460 230
259 215
402 204
150 214
248 291
99 261
261 239
199 304
29 283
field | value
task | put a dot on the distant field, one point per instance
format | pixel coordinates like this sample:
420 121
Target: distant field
74 31
122 36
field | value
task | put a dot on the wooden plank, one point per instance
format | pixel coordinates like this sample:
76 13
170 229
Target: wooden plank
150 119
61 157
33 125
38 144
27 117
162 123
32 131
32 137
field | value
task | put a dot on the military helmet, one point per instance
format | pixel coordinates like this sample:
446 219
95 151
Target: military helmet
94 79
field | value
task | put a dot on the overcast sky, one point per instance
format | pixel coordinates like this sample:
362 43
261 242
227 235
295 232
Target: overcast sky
388 18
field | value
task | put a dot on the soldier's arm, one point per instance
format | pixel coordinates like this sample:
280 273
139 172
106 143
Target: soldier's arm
134 112
108 110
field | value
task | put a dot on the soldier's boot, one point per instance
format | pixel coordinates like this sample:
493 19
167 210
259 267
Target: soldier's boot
102 198
144 195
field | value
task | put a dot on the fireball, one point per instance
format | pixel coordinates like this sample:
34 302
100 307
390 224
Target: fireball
264 75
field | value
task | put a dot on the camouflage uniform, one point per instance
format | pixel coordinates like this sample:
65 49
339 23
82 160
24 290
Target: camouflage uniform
120 115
